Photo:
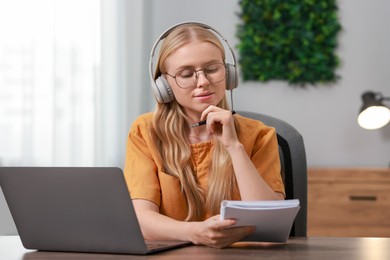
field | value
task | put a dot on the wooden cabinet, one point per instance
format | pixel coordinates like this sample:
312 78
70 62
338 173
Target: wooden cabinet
349 202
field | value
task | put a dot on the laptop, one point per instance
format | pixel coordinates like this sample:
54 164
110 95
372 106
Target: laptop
75 209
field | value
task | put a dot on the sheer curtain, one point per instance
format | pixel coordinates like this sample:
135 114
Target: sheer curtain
49 81
73 76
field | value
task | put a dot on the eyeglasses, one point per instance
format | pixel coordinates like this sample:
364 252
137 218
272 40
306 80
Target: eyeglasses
187 78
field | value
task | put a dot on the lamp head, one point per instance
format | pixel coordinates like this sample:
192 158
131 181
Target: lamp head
373 114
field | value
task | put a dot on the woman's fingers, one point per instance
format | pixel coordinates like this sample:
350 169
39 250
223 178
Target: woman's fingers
220 233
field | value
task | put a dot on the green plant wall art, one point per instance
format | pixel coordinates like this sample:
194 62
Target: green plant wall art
291 40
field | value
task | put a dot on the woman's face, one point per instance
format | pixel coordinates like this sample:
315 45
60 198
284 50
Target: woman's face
195 56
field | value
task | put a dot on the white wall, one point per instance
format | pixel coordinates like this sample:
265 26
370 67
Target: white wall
325 115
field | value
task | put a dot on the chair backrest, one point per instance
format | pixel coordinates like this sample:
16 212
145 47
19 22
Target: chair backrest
294 166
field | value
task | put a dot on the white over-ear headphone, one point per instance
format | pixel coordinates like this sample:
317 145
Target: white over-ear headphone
161 89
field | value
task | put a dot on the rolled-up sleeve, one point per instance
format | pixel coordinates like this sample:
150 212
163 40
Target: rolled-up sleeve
141 171
261 144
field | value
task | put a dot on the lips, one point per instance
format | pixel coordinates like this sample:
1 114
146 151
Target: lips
204 94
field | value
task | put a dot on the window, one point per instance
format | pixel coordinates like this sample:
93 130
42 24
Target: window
49 81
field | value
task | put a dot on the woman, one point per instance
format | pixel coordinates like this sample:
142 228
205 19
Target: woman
178 174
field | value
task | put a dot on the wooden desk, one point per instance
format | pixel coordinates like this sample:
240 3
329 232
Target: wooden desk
296 248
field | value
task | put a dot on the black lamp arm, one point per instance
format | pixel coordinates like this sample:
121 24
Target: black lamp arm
380 97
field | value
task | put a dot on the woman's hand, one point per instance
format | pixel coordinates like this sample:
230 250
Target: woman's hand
218 233
220 123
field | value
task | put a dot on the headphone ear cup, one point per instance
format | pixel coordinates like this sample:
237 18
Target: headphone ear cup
232 77
162 90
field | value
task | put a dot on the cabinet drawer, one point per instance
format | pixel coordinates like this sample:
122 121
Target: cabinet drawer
349 203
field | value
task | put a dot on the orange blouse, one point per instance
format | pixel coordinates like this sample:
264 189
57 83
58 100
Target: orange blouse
146 180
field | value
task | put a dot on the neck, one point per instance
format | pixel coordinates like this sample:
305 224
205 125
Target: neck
199 134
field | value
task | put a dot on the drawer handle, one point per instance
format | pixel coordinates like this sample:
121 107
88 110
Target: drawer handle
363 197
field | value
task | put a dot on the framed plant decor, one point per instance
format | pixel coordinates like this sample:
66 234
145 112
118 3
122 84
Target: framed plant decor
292 40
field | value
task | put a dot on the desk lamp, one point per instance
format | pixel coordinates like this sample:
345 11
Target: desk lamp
373 114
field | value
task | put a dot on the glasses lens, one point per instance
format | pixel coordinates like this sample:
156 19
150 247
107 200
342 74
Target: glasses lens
187 78
215 72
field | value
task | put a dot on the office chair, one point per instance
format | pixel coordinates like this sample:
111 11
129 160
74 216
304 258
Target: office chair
293 166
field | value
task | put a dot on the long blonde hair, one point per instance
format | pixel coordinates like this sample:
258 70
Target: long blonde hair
173 145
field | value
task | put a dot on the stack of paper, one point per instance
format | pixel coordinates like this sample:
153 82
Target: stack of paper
273 219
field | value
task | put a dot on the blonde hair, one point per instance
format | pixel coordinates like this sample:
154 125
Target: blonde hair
173 145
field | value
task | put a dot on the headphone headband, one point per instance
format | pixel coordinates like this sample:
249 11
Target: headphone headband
170 29
162 90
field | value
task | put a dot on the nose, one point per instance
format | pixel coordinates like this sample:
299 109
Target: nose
201 79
